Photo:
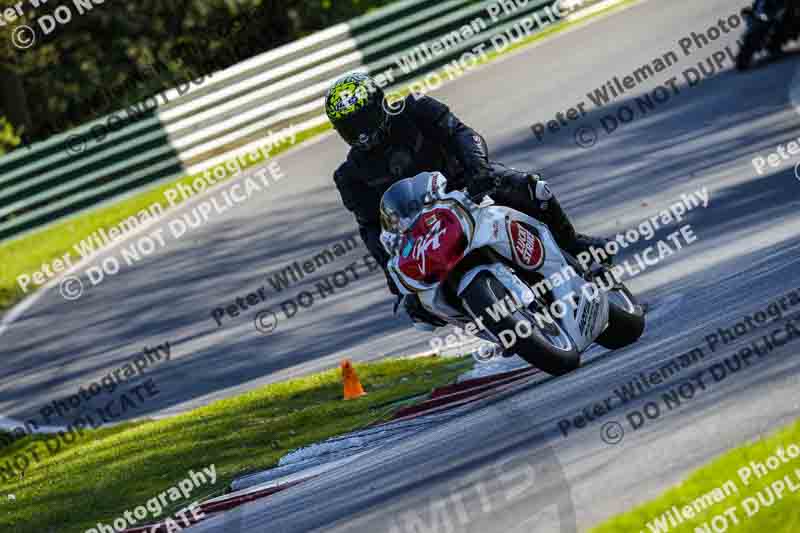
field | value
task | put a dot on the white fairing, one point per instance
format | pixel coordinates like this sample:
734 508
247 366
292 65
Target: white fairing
584 313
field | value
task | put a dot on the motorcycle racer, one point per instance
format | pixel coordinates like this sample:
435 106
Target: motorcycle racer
770 24
387 146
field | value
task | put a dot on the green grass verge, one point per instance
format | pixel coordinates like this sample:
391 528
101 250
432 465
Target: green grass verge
781 517
26 255
111 470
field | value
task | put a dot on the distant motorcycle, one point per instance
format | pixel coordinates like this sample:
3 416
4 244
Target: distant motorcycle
499 274
770 25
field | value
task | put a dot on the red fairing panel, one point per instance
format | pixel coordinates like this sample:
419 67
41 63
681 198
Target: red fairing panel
432 247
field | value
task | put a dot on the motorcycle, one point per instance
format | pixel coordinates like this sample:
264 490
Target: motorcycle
499 275
768 28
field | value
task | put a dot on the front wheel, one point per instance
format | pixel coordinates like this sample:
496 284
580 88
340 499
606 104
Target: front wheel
626 320
543 345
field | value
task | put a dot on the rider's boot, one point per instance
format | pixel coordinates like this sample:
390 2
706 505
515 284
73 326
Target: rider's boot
529 193
564 232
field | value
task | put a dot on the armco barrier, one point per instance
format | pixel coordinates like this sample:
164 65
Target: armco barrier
184 132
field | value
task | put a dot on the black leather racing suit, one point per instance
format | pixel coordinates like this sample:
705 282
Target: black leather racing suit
425 136
770 6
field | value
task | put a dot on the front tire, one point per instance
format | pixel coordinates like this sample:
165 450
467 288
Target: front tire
626 320
552 350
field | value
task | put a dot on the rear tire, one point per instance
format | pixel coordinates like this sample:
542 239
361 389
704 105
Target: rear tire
484 291
626 320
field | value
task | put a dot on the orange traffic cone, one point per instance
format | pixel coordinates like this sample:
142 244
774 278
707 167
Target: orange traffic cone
352 386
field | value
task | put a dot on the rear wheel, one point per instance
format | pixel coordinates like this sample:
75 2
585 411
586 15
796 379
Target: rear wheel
543 345
626 320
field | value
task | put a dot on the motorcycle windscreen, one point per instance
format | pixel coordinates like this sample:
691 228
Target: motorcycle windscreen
432 247
402 203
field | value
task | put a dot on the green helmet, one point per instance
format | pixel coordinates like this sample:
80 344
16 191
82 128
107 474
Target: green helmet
355 107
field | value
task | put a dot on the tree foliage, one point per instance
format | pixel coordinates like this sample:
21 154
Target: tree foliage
8 139
117 53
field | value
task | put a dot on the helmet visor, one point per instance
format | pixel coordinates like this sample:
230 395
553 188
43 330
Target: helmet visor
364 129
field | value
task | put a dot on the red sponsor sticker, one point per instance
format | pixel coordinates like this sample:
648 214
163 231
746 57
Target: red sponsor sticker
433 246
528 248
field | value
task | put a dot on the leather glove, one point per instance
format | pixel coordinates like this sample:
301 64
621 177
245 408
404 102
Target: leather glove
483 182
479 185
